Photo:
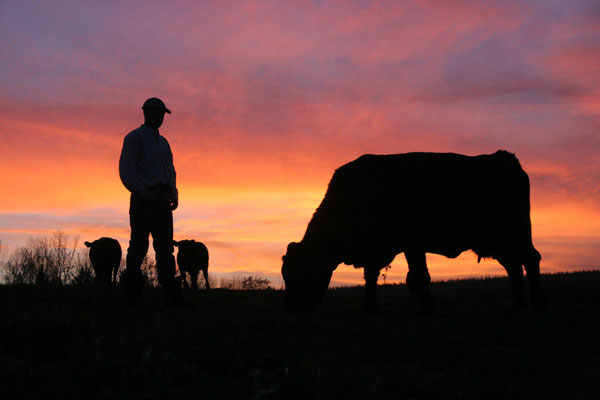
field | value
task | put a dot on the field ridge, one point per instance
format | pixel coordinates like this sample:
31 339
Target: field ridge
66 342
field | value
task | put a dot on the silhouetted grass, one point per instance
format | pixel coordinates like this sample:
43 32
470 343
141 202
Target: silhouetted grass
70 342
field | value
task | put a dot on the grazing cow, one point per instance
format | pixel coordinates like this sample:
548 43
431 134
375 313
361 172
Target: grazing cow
105 256
381 205
191 258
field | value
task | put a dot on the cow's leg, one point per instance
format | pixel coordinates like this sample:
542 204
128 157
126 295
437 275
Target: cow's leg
184 279
371 275
102 272
532 266
107 275
514 269
97 274
103 275
418 279
205 273
194 278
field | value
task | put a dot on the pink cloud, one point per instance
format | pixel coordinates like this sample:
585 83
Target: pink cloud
271 97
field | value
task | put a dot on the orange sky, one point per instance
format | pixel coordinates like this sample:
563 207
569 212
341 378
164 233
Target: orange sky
269 98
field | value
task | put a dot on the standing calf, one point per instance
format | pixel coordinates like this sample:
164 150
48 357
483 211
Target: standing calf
191 258
105 256
416 203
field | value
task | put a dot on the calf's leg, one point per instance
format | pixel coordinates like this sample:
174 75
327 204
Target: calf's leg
101 274
194 278
184 279
107 275
205 273
418 279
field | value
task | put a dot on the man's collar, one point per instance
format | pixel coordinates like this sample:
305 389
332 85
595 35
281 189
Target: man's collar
154 131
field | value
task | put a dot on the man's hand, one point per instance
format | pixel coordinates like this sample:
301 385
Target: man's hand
174 200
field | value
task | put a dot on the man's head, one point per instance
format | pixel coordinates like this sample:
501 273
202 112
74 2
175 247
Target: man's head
154 112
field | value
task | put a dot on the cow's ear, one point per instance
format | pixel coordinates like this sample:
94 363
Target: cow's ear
175 243
88 244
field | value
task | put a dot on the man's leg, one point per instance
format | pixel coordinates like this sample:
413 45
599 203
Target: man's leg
162 235
141 218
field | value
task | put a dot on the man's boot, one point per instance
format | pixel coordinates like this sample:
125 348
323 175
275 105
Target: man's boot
173 295
134 288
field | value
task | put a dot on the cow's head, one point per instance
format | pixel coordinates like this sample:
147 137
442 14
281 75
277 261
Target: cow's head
306 274
182 244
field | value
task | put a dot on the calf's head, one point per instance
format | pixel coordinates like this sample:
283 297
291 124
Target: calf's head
184 244
307 275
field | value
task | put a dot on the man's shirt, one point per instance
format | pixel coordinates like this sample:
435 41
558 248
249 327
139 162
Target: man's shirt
146 160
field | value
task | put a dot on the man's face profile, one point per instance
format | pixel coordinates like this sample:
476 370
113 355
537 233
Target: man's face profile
154 117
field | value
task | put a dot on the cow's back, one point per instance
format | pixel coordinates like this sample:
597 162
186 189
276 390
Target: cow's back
193 255
443 203
106 250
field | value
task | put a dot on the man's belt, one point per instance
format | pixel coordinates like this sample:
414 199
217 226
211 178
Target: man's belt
160 188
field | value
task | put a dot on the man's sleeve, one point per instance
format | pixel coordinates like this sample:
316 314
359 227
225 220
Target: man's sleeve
172 173
128 164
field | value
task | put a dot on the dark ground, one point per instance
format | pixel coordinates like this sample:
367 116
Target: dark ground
76 342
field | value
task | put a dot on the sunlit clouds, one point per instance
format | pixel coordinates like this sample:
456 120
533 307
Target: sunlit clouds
269 97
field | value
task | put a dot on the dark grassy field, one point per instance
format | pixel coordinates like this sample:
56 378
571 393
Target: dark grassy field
76 342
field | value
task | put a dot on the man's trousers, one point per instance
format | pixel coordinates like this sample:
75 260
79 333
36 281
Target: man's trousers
151 218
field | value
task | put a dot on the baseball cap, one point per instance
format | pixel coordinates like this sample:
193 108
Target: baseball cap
157 104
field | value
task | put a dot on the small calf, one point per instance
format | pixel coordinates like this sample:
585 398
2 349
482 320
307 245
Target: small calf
105 256
191 258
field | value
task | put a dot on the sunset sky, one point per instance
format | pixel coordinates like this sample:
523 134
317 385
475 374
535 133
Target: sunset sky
269 97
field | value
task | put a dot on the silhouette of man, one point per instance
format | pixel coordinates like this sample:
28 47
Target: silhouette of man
146 169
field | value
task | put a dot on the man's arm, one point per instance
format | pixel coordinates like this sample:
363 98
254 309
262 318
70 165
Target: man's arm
128 169
174 197
128 165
